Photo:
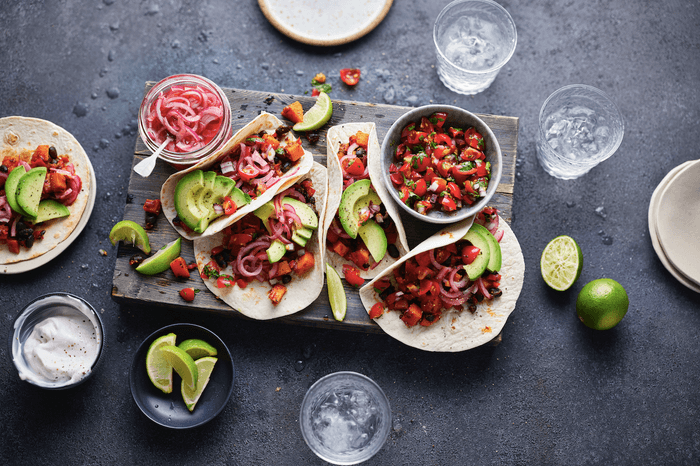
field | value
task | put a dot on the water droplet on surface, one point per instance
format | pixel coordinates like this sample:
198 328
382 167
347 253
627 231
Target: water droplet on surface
518 175
300 73
152 9
84 266
80 109
299 365
607 240
108 2
570 204
390 95
113 93
215 61
239 66
111 55
600 212
103 72
412 100
104 143
156 406
114 26
93 96
265 66
95 285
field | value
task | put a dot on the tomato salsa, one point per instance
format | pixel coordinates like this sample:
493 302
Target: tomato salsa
426 285
437 167
61 184
352 157
245 243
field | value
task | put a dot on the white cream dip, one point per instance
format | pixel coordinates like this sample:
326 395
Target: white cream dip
61 348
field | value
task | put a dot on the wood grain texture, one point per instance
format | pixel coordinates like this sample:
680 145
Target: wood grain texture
138 291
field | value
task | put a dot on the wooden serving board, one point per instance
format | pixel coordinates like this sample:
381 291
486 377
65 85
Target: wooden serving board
132 288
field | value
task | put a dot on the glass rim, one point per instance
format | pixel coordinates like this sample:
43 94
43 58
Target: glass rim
194 156
498 6
594 90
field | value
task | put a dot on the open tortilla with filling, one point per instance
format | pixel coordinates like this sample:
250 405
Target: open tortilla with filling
263 122
20 136
341 134
253 300
457 331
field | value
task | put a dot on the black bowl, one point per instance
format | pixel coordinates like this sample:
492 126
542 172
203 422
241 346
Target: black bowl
168 409
457 117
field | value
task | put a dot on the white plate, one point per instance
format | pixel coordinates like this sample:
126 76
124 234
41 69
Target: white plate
31 264
325 22
654 221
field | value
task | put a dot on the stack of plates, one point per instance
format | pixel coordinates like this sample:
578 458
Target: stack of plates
674 223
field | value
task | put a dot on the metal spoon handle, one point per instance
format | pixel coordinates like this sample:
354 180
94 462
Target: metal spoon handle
146 166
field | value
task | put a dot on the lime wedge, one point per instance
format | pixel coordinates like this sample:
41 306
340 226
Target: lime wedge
182 363
205 366
197 348
160 261
131 232
561 263
336 293
159 369
318 115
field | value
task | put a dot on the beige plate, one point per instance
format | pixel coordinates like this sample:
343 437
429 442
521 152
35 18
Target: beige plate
31 264
325 22
654 220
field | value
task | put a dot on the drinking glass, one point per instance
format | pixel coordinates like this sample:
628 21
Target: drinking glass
473 39
579 127
345 418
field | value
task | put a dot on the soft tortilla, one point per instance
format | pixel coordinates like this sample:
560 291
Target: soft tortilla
336 136
263 122
20 136
252 301
457 331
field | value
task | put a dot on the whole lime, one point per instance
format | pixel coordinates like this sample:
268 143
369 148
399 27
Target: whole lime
602 304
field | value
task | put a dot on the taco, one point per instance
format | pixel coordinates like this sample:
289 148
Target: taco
260 160
54 156
270 263
362 230
427 301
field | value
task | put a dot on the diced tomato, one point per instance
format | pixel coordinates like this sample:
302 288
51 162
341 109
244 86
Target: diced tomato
247 172
277 293
469 253
229 206
350 76
438 119
353 166
376 311
454 190
416 137
397 179
315 92
405 194
224 281
152 206
352 275
241 283
444 168
210 270
423 258
474 138
308 187
179 268
381 285
412 315
420 188
188 293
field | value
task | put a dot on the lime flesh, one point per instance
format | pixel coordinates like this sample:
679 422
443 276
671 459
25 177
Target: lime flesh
160 261
602 304
160 371
318 115
182 363
131 232
561 263
197 348
336 293
205 366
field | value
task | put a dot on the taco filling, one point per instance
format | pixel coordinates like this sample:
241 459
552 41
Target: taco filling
361 231
269 244
33 192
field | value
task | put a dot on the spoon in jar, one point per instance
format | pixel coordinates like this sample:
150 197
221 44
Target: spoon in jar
146 166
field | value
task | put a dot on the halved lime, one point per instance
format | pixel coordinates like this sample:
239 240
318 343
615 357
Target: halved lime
182 363
561 263
318 115
160 261
160 371
336 293
131 232
205 366
197 348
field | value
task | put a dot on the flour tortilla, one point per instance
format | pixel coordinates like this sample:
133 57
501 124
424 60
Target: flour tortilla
336 136
20 136
457 331
252 301
263 122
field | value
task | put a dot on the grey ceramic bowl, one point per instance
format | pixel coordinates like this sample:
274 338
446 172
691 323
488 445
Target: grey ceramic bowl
456 117
41 308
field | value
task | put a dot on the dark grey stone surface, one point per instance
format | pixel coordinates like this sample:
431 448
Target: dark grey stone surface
553 392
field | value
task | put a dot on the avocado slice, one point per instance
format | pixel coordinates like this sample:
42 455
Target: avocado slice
364 201
477 268
374 238
185 198
11 188
29 188
346 211
301 236
494 264
276 251
50 209
306 214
